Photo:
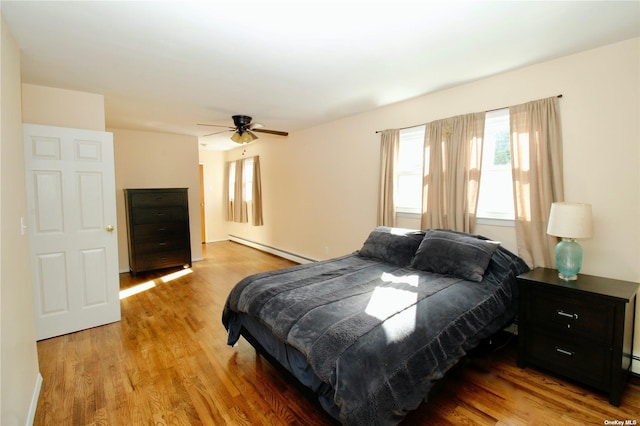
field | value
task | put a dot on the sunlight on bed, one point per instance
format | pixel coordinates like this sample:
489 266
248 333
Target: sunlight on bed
396 305
412 280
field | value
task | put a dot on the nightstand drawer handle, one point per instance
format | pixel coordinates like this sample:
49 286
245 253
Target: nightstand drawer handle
563 352
564 314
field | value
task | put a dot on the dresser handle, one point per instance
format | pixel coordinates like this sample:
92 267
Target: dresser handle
563 352
564 314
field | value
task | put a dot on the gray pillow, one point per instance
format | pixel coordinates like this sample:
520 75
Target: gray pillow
392 245
455 254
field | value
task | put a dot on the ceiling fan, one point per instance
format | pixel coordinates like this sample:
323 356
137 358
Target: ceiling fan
243 129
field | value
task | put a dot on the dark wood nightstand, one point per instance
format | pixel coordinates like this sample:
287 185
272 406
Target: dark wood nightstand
579 329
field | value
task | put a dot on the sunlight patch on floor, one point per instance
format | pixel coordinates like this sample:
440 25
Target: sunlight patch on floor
176 275
136 289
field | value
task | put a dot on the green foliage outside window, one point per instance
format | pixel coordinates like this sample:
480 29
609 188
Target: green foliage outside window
502 153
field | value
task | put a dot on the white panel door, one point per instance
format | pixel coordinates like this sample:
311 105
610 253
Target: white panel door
72 218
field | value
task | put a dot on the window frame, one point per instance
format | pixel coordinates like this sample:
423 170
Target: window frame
495 121
482 217
411 135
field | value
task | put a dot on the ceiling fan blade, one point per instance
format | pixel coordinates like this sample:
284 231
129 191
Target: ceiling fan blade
215 125
272 132
242 129
217 133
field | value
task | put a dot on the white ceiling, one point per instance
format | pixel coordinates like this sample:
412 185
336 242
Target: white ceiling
166 66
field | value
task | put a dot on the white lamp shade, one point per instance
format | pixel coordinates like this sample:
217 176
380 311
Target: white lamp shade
570 220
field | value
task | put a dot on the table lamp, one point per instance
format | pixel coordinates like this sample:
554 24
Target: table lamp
569 221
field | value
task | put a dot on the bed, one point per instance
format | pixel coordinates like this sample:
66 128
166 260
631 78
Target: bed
371 332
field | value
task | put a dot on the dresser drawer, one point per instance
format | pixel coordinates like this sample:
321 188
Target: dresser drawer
159 246
579 360
157 199
572 316
159 215
160 230
162 260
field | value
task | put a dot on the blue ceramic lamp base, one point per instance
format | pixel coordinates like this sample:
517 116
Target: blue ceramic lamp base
568 259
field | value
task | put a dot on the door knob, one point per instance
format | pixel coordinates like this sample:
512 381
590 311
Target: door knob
110 228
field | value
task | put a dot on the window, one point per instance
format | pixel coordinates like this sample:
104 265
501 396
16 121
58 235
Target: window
232 181
241 206
247 179
408 191
495 200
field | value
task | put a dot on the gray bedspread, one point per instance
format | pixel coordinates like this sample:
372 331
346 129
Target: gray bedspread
377 333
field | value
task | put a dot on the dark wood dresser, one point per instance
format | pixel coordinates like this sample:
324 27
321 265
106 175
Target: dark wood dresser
158 228
581 329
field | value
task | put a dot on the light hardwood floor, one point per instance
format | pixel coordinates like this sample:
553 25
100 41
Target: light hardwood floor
166 363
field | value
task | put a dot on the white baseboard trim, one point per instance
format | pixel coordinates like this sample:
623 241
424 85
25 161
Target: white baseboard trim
284 254
34 401
217 241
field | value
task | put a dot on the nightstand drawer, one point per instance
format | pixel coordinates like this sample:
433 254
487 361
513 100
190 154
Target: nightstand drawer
582 316
582 361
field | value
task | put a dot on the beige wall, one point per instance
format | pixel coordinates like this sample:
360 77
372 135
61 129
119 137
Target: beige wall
320 185
213 167
156 160
63 108
19 375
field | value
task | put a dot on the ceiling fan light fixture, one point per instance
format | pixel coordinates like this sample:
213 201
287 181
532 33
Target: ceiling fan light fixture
242 130
244 137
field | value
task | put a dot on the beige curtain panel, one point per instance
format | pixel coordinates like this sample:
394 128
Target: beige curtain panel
256 195
452 161
390 143
228 204
240 206
536 157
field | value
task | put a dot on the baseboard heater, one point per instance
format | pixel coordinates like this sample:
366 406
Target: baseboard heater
635 358
282 253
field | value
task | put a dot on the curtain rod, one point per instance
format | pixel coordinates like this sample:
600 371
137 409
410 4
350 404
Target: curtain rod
416 125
